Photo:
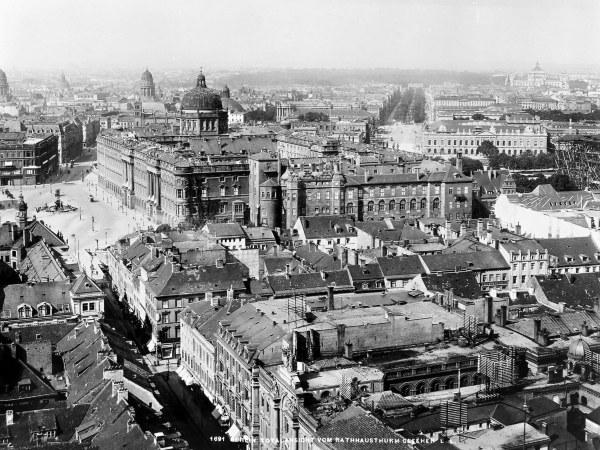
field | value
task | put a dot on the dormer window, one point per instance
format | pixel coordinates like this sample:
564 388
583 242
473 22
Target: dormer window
569 259
584 258
44 309
24 311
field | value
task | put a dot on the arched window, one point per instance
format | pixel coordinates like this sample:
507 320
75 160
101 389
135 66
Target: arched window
381 206
350 208
24 311
44 309
402 206
413 204
392 205
370 206
436 203
423 203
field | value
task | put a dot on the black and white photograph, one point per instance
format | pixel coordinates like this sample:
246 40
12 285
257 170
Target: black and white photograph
311 225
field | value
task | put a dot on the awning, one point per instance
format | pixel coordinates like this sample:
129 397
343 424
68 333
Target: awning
234 433
185 375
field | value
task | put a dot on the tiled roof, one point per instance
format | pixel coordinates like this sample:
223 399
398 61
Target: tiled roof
366 272
545 198
355 422
317 259
39 230
575 251
221 230
310 283
464 284
42 264
52 332
84 285
575 290
85 353
398 266
193 281
261 331
56 293
324 227
474 261
275 265
205 318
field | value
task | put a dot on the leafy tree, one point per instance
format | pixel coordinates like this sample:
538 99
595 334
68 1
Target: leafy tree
312 116
469 165
478 116
487 148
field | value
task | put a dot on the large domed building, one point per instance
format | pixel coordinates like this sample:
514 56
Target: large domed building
147 91
4 88
201 111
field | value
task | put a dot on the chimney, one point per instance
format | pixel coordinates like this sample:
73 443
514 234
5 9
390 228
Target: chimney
18 337
366 174
503 315
448 227
287 270
479 228
323 275
219 263
585 329
348 350
459 162
343 256
537 328
330 300
463 229
518 229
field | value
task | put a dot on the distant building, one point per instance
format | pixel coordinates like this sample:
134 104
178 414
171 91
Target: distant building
147 91
69 133
27 159
453 137
373 196
4 87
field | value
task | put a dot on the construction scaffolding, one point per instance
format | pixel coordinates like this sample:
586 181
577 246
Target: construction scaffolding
498 368
579 157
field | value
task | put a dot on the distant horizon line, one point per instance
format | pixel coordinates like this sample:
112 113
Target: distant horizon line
159 68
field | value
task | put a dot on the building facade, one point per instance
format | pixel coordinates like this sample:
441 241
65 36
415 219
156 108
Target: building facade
453 137
445 194
27 159
69 133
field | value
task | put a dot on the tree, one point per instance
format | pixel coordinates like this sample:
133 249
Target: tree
488 149
469 165
478 116
312 116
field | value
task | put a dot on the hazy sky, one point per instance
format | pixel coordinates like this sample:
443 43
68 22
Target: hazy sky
222 34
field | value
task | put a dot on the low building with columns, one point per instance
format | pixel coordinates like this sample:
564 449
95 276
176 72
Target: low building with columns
450 137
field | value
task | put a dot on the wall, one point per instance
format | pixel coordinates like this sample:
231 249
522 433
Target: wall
249 257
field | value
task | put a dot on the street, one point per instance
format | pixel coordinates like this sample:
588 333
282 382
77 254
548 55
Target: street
188 411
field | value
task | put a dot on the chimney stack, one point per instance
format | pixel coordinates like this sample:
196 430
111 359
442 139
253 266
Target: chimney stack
537 327
463 229
459 162
479 228
330 300
348 350
219 263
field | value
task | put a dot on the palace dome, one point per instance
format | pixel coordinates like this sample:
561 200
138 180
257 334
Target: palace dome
577 348
3 80
201 97
147 78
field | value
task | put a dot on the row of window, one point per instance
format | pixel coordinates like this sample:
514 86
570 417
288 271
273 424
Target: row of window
477 142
